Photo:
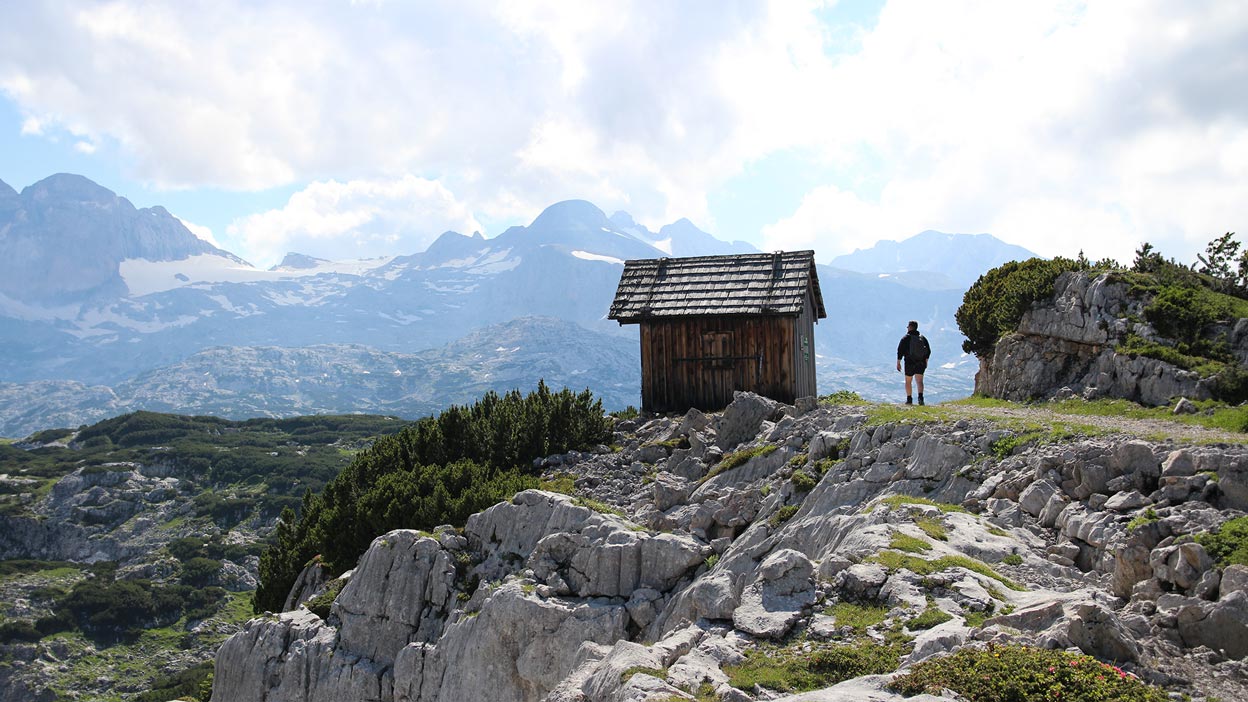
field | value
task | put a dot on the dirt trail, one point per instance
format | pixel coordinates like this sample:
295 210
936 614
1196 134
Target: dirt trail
1144 428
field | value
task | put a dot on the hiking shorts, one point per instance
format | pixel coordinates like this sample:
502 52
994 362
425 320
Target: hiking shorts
915 367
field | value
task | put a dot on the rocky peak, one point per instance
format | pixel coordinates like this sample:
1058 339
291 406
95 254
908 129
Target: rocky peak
1067 346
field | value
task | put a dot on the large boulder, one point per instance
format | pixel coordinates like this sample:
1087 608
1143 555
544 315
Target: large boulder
1221 625
743 418
784 588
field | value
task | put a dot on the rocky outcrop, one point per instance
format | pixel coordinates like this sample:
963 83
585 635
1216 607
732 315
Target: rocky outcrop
1087 545
1067 346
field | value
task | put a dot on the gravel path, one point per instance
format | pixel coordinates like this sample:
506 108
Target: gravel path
1145 428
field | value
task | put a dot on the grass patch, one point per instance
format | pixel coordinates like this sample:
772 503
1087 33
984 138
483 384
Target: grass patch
782 515
1228 544
930 617
895 501
910 544
933 527
1148 517
975 620
998 531
1009 673
843 397
660 673
1005 446
793 669
738 458
858 616
906 414
564 484
1013 559
599 507
894 560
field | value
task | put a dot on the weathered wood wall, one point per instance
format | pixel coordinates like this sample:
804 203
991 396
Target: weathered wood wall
699 361
804 349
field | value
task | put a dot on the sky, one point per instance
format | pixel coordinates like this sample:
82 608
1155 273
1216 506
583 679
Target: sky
366 128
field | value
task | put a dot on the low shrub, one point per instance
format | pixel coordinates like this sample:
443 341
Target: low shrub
1021 674
802 482
1228 544
782 515
319 605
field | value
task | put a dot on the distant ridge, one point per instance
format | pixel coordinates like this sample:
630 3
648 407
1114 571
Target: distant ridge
962 258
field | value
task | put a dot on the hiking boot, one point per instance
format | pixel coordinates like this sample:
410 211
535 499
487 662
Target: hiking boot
909 400
920 398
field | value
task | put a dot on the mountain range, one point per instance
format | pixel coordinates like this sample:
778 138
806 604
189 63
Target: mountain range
106 308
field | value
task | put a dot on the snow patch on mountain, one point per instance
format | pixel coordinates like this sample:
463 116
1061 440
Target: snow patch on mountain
585 255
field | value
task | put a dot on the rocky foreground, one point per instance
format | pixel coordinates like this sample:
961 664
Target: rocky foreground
753 531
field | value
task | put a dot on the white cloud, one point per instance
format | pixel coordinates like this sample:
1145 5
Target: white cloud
200 231
355 219
1058 126
84 147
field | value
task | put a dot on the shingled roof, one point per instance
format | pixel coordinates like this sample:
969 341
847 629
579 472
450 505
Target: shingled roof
765 283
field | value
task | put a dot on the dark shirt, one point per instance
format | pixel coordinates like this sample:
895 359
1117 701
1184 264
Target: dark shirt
903 347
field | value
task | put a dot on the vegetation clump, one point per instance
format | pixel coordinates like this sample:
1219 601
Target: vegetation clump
928 618
803 482
911 544
1021 673
859 617
795 669
994 305
1228 544
438 470
782 515
320 604
1148 517
895 560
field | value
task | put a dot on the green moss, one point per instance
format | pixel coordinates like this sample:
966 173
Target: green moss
894 560
1021 673
911 544
1228 544
933 527
859 616
794 669
895 501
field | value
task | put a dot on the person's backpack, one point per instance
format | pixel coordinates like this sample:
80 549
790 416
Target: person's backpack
919 349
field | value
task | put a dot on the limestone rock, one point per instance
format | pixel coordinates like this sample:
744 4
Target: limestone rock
516 650
743 418
1221 625
776 600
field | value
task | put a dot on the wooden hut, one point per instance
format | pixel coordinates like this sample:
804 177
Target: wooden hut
714 324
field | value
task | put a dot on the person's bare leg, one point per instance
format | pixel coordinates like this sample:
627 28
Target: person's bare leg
917 379
908 393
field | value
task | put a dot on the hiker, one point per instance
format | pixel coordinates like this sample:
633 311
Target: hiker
915 350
